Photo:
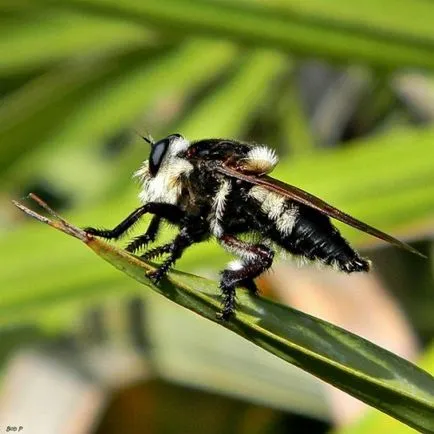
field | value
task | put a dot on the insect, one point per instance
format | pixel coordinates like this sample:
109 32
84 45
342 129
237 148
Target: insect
220 189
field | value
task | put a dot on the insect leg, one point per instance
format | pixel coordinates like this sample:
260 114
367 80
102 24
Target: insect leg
157 251
191 232
167 211
255 259
148 237
121 228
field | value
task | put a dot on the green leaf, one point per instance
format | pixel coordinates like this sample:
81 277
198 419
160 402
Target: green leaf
307 30
39 38
230 106
377 422
294 124
341 358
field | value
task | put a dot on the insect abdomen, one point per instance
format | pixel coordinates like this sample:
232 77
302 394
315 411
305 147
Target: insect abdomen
314 237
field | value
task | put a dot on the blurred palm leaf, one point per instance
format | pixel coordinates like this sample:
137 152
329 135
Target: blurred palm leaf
316 29
36 39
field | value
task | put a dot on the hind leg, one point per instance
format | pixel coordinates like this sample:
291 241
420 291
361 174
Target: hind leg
255 259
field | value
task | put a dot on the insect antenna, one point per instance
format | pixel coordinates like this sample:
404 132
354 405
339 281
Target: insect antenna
148 138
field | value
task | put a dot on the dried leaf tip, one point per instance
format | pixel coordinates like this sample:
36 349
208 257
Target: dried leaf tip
58 222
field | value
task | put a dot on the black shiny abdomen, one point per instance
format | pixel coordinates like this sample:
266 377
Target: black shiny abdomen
315 238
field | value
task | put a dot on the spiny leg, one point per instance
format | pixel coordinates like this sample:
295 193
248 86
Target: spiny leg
176 249
164 210
121 228
157 251
250 285
256 258
192 232
146 238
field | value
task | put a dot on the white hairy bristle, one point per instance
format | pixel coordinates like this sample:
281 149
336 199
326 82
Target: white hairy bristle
238 251
277 208
218 208
143 172
260 159
235 265
178 144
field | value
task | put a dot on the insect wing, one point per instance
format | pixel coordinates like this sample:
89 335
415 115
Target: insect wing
301 196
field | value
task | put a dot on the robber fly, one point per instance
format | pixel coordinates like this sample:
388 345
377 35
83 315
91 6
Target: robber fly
220 189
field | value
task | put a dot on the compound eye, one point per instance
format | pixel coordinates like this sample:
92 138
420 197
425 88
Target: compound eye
158 152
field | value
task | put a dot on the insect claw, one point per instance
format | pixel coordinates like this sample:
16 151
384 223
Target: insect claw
225 314
155 275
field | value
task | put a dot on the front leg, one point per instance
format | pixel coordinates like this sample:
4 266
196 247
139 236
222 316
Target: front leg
121 228
164 210
146 238
255 259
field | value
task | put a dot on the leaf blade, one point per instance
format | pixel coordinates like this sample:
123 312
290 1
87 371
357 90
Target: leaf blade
290 30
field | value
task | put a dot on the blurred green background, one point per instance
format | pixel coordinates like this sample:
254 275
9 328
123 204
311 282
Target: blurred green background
345 94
